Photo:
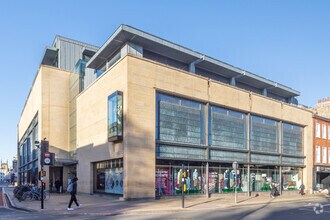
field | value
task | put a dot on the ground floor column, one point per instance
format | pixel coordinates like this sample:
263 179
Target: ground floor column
207 180
281 184
248 174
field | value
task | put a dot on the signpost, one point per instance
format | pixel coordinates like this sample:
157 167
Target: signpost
182 185
235 167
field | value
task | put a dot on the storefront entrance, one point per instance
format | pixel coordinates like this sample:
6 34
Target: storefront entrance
322 180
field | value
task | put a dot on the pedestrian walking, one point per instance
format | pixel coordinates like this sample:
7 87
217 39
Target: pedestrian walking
302 188
72 189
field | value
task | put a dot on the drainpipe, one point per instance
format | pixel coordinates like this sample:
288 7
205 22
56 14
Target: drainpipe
192 68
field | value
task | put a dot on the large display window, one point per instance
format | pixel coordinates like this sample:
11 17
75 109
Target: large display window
221 179
262 177
109 177
291 178
168 179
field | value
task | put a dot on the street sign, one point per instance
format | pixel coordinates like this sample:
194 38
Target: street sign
47 161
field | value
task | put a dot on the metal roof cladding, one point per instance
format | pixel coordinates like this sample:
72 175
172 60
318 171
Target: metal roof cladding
166 48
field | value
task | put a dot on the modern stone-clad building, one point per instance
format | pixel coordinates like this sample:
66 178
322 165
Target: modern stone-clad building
146 108
159 105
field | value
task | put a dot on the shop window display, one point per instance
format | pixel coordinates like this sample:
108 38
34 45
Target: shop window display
261 178
168 180
109 176
291 178
227 178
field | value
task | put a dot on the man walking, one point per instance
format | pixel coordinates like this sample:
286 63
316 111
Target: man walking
73 191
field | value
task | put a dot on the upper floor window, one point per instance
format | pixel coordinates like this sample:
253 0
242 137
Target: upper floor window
115 116
317 130
318 154
328 132
324 131
99 72
264 134
292 139
226 128
324 155
179 120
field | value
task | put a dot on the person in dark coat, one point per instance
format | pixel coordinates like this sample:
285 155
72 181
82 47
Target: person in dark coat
57 185
73 194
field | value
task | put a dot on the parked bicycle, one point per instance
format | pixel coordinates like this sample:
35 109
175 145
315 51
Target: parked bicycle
30 192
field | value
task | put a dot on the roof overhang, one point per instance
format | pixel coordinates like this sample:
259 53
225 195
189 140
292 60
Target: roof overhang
158 45
50 55
65 162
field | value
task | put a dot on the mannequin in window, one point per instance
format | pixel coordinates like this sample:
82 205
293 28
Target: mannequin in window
179 177
226 178
188 180
195 178
232 178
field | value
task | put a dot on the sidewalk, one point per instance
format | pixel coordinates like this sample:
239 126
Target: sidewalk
111 205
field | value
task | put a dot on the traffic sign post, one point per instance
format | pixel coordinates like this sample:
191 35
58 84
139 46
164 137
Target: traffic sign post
235 167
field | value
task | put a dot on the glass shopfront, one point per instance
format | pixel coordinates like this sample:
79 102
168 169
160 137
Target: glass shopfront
221 179
262 177
168 179
266 144
291 178
109 176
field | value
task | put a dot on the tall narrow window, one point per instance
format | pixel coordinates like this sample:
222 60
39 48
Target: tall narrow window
317 130
328 154
115 116
328 132
324 131
324 155
317 154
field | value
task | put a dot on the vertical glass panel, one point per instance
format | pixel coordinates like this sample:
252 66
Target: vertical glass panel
292 139
179 120
227 128
264 135
115 116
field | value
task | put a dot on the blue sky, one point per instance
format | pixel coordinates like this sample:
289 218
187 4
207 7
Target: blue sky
285 41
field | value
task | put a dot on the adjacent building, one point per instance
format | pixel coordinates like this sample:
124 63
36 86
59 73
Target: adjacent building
321 152
142 112
4 170
50 113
